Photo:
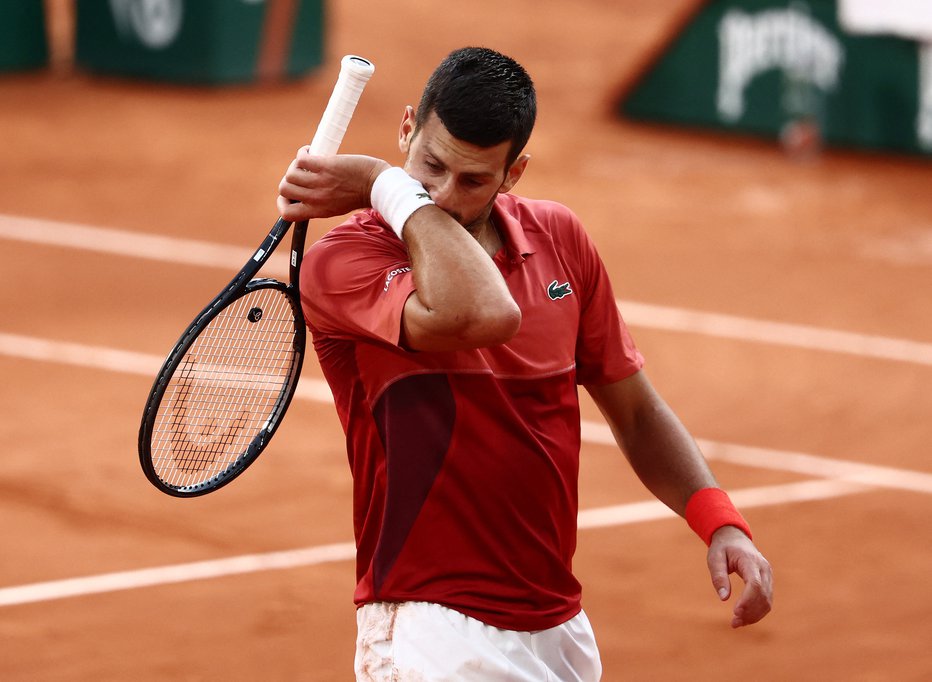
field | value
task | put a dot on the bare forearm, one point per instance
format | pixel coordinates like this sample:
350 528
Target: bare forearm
457 281
665 457
668 461
660 449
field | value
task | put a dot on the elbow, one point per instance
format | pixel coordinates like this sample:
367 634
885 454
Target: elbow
503 324
488 324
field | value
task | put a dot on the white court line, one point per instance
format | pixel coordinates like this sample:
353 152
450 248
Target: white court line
776 333
317 390
744 498
810 465
205 254
619 515
167 575
841 478
121 361
133 244
795 462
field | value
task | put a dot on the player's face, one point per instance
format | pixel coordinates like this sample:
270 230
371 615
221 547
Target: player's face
462 179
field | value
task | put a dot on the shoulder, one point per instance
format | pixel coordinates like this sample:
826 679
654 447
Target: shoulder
539 213
546 221
365 225
354 255
362 234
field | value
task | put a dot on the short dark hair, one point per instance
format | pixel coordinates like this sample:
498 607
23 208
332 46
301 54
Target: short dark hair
482 97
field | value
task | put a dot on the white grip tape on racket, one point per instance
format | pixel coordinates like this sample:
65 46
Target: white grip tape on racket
355 72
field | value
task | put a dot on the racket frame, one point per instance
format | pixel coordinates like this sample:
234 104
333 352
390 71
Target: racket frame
244 282
354 74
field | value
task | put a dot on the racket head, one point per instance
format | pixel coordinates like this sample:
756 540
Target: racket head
223 389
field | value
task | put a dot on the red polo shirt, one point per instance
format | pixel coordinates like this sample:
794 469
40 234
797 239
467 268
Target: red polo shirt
465 463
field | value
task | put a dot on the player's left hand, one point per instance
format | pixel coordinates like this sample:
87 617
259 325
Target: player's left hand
732 551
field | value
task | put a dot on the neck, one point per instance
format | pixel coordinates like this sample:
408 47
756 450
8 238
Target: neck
487 235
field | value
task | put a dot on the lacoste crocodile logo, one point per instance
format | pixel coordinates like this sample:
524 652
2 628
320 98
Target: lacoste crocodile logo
557 291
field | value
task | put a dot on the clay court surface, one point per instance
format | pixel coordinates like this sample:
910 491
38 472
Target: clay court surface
783 307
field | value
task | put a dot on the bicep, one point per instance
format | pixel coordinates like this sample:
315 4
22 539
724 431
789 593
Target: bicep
624 403
417 333
353 286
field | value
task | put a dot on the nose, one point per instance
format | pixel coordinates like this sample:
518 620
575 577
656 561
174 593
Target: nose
441 191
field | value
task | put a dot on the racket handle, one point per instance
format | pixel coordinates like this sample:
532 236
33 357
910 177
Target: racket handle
354 74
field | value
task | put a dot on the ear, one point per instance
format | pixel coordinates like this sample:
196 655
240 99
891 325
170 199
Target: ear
406 130
514 173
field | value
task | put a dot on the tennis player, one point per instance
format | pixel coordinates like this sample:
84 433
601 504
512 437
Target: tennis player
454 321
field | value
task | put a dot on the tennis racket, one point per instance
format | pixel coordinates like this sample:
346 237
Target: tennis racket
224 387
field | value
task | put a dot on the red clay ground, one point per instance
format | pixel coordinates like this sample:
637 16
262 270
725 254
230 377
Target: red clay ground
688 220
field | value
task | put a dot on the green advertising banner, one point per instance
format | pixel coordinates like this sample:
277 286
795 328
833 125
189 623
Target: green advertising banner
23 44
761 66
200 41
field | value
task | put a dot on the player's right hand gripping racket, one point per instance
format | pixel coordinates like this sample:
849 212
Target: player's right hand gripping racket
226 384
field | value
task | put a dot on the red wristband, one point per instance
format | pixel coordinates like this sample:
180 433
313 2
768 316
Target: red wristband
709 509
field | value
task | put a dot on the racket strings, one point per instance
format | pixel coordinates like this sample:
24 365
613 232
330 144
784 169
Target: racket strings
189 454
225 389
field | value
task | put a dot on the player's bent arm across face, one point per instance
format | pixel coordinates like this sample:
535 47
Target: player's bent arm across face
461 301
669 463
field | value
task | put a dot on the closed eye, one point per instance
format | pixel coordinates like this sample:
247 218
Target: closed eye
433 166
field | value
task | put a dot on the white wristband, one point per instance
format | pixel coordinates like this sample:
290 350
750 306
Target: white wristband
396 195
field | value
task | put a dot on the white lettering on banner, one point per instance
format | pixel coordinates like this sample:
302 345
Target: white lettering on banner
787 39
154 23
924 117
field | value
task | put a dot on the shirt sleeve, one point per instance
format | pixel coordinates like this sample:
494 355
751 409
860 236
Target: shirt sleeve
355 281
605 349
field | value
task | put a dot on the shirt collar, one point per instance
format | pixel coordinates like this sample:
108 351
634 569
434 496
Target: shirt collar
517 246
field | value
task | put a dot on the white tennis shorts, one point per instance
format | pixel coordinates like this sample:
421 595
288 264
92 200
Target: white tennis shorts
424 642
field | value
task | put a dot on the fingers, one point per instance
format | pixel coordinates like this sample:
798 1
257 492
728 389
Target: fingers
732 553
300 188
757 598
290 210
718 570
301 166
325 186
